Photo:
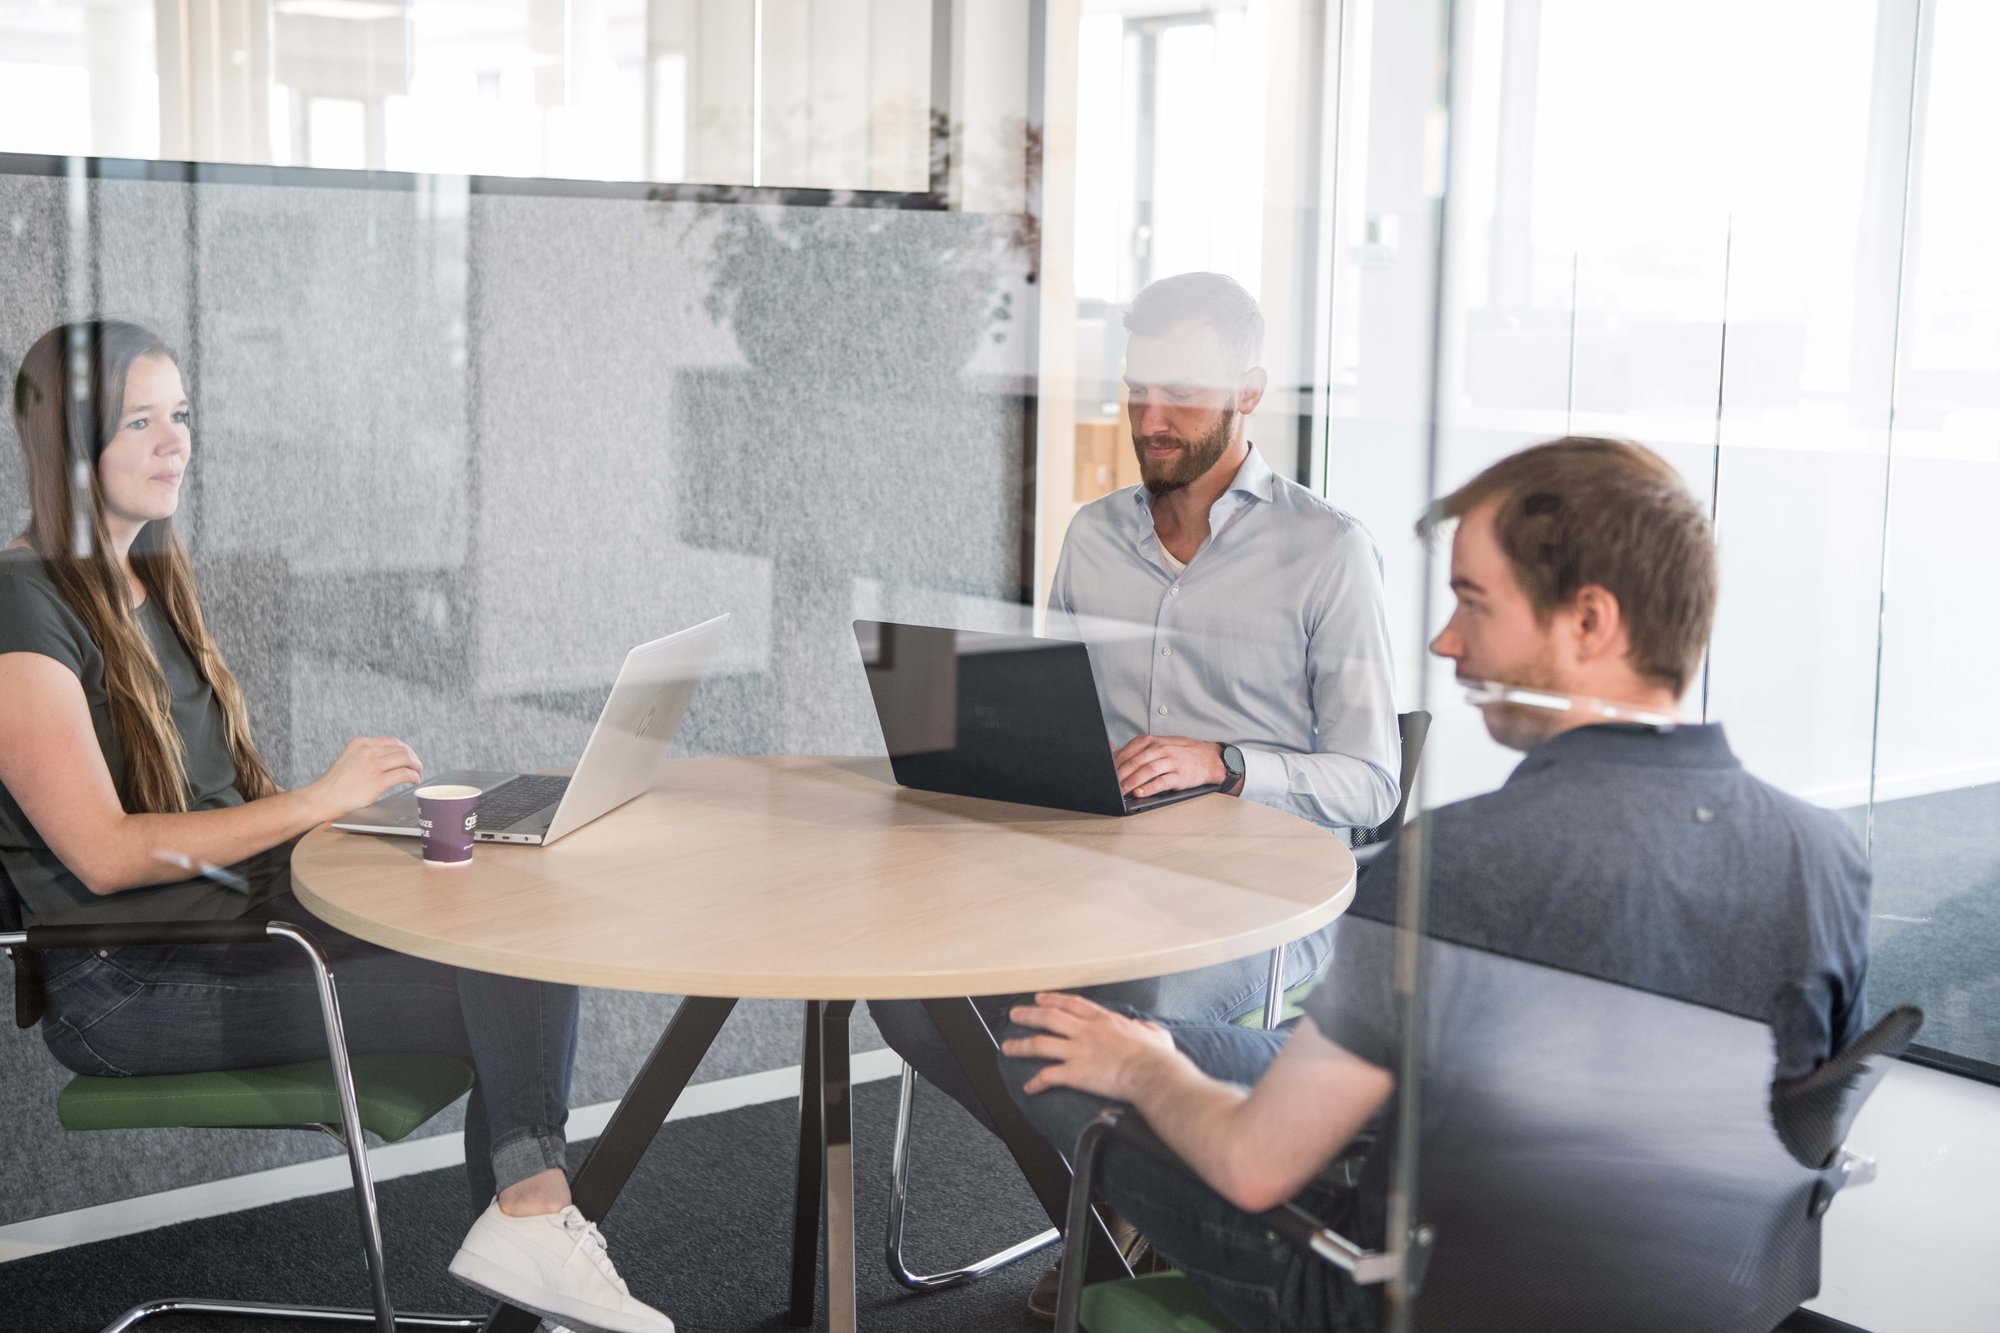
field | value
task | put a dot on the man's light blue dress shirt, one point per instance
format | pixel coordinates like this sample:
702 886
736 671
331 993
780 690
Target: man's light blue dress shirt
1273 638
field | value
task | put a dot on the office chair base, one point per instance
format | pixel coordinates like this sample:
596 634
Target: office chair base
305 1314
898 1197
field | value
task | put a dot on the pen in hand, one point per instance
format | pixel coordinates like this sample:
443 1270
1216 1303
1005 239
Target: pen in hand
228 879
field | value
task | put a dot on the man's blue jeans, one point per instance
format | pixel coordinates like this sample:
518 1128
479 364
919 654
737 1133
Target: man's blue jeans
1205 995
193 1008
1262 1282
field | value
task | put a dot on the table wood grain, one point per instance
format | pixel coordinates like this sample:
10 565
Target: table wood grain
806 878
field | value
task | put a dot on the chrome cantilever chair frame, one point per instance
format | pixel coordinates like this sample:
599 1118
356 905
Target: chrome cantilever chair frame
899 1187
348 1132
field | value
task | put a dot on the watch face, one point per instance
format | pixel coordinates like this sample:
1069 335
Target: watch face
1232 760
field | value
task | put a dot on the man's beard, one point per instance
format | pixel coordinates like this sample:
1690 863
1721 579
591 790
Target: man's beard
1195 458
1521 726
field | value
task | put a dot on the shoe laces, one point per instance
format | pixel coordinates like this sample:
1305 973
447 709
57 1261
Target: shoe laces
588 1240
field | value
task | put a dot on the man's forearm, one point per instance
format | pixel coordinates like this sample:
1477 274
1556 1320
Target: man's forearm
1259 1148
1195 1115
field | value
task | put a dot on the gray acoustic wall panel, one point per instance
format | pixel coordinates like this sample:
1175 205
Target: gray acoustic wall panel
455 453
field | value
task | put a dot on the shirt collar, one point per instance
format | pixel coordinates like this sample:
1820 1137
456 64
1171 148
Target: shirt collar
1254 480
1689 745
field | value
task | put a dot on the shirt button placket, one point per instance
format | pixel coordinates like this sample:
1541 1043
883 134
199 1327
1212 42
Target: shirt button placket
1166 611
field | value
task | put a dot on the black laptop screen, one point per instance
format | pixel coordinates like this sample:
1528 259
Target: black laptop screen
1001 716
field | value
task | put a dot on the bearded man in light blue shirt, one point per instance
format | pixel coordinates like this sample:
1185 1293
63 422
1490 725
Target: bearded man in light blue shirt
1226 607
1236 629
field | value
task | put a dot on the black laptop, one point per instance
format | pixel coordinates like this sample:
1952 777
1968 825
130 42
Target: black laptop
995 715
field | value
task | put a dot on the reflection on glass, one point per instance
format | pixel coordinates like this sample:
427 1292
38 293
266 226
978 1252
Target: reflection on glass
635 90
1482 693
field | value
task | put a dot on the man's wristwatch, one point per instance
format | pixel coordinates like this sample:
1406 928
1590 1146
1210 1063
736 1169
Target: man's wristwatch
1232 764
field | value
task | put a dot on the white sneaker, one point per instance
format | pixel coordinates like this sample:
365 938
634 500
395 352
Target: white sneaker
556 1265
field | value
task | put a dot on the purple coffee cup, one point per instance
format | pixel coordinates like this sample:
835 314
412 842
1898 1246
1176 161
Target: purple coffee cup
448 815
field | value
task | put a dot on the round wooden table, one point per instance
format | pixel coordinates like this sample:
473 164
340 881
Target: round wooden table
821 880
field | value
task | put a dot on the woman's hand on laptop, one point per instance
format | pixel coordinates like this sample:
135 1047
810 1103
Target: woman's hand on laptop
1149 765
368 767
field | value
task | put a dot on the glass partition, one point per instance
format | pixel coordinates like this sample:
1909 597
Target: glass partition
1692 231
1935 811
1736 236
463 440
468 433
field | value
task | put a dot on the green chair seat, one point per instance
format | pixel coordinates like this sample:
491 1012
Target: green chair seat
1292 1008
1156 1303
395 1091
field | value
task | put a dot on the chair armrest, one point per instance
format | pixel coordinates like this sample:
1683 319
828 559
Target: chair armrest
26 946
1813 1113
119 934
1365 1267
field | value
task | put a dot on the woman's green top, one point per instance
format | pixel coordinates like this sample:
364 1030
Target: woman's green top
34 618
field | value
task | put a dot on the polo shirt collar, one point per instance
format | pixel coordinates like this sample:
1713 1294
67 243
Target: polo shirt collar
1689 745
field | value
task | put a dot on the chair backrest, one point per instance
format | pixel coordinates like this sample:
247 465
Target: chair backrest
1412 728
1594 1156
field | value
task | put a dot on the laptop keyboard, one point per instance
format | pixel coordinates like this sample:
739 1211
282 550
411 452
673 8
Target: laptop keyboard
517 798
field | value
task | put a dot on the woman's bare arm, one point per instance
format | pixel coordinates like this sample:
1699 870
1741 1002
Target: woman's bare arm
51 763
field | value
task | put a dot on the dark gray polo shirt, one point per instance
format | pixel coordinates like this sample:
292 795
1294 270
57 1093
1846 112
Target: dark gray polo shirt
1647 858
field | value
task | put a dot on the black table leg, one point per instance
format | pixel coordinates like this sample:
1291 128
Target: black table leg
806 1200
972 1045
837 1164
635 1123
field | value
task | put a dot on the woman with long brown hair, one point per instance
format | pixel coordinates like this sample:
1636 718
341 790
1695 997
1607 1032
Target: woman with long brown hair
126 759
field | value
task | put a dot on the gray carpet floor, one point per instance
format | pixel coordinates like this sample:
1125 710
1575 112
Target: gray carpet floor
702 1231
1936 936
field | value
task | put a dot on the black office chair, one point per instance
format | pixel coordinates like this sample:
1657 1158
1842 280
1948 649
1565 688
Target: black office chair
1280 1005
391 1094
1413 728
1604 1158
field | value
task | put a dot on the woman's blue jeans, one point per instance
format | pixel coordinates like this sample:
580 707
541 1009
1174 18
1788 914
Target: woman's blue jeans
196 1008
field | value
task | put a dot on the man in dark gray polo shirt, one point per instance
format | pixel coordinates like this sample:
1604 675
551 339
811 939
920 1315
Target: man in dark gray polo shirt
1626 846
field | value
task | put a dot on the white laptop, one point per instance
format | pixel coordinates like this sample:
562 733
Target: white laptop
619 761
